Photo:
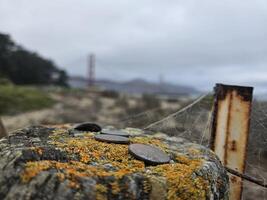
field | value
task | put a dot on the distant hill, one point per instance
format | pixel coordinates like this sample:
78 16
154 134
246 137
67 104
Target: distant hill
136 86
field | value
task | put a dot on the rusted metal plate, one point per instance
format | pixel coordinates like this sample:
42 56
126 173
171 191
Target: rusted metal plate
230 129
3 132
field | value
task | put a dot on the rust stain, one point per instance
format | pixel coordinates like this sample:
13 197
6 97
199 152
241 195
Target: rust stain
236 187
230 129
221 90
233 146
233 179
227 128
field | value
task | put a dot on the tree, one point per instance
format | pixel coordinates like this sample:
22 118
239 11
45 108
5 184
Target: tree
25 67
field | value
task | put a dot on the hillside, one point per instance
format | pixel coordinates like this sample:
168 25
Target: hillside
136 86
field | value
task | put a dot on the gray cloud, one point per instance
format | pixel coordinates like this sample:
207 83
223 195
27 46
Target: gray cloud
192 42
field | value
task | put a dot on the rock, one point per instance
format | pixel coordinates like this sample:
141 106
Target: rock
49 163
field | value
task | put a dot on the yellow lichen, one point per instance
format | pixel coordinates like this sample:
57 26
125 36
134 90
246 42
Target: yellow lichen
61 176
58 132
32 169
74 185
37 150
101 191
146 186
151 141
60 126
183 159
181 184
179 176
115 188
194 152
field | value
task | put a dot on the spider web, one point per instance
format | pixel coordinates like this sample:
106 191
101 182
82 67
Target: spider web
192 122
189 122
256 162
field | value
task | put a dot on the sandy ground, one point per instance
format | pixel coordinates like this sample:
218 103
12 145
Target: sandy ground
30 118
89 107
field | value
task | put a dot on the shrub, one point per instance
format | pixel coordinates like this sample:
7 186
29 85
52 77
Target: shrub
97 105
150 101
5 81
110 94
122 102
15 99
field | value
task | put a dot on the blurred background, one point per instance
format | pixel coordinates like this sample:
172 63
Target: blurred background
130 64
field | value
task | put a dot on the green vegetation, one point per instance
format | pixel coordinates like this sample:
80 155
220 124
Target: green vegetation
16 99
150 101
110 94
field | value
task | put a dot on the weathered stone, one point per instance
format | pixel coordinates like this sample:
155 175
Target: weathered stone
49 163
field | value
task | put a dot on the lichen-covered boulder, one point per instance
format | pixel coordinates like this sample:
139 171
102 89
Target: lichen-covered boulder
59 163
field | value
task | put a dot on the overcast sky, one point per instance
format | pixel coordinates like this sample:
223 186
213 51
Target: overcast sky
193 42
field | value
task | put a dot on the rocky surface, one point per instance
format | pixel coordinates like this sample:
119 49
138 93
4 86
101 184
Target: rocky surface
60 163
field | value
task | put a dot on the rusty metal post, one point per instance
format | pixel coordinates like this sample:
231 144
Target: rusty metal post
3 131
230 129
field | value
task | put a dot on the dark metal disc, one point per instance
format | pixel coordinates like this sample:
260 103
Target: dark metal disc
112 139
148 154
115 132
88 127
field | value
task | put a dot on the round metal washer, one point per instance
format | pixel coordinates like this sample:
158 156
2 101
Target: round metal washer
115 132
112 139
148 154
88 127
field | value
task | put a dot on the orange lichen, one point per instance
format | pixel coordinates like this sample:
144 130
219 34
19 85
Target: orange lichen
60 126
183 159
181 184
61 176
37 150
74 185
179 176
115 188
194 152
101 191
151 141
33 169
146 186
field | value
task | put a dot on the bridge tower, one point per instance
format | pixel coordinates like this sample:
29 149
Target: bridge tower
91 70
